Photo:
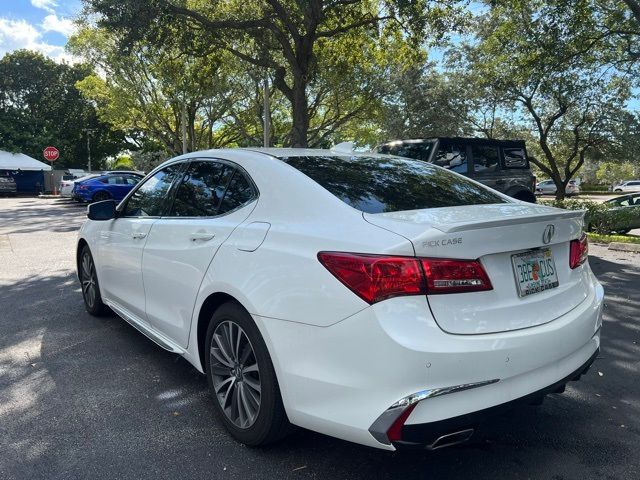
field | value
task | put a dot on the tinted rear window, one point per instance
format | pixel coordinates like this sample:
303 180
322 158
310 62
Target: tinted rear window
418 150
376 185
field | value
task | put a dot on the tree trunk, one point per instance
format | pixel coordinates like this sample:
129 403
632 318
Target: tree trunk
300 113
561 187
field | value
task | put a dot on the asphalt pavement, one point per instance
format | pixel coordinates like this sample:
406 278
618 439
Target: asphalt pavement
90 398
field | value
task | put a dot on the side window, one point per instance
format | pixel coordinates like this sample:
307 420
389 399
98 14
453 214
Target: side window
132 180
114 180
201 189
485 159
149 200
514 158
239 192
452 157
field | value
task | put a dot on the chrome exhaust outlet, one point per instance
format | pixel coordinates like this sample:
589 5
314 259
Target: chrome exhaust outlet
451 439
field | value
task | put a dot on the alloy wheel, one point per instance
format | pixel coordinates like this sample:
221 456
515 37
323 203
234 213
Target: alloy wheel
235 374
89 284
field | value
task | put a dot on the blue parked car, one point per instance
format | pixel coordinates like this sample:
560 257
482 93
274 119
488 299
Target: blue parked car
112 185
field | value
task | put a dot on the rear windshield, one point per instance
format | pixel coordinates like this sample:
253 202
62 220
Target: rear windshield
387 184
418 150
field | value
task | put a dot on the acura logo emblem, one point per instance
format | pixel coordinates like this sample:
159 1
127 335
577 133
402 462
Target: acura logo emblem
549 231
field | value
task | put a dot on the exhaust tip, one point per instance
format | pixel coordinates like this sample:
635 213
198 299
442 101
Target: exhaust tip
451 439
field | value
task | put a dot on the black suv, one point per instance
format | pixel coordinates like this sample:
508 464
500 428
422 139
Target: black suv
499 164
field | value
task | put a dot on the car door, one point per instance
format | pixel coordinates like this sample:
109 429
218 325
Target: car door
211 200
122 241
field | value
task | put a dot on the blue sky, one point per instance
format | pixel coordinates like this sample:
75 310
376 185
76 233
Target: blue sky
41 25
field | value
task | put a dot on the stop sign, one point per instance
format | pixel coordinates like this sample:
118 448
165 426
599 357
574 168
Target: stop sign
51 154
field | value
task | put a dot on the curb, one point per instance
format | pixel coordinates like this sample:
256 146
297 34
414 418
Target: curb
625 247
49 196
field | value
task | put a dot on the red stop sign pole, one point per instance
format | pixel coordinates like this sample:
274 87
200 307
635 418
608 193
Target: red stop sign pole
51 154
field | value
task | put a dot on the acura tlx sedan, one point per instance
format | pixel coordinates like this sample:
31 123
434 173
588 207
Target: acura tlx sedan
377 299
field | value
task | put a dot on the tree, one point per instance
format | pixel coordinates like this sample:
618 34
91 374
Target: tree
156 93
40 106
529 54
613 172
282 37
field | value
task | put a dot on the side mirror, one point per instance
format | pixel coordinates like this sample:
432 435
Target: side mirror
104 210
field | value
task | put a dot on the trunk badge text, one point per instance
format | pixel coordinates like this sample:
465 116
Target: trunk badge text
445 242
548 234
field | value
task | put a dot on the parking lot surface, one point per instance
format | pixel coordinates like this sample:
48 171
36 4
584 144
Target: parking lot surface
84 397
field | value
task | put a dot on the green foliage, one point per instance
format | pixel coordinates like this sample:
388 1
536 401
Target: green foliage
529 58
600 217
612 172
147 161
40 106
602 238
323 56
123 162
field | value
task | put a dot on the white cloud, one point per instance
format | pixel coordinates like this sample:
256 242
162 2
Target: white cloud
18 34
52 23
48 5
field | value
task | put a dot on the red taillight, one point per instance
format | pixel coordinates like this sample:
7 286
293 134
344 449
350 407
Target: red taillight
375 277
455 276
378 277
578 251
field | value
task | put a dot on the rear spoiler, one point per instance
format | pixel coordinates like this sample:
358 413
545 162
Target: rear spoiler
503 222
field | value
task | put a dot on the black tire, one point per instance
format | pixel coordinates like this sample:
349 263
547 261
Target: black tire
270 423
100 196
524 195
89 285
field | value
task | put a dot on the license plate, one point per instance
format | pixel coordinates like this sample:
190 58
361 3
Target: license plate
535 271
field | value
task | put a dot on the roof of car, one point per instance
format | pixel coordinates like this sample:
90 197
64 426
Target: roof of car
307 152
471 140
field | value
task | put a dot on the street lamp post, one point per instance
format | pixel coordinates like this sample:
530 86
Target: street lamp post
89 132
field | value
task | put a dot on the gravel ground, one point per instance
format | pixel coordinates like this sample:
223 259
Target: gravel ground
82 397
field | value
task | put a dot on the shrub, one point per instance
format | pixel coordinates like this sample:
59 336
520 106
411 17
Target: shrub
600 217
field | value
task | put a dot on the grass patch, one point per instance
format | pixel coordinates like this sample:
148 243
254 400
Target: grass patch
600 238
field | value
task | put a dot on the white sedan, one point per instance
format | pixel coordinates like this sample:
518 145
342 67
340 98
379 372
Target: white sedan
628 186
377 299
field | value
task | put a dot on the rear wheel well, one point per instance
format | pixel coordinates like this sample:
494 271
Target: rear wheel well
81 244
210 305
524 195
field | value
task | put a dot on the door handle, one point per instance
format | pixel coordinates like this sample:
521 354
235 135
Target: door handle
201 236
139 235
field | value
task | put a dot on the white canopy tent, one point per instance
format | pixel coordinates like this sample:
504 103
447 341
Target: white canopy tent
20 161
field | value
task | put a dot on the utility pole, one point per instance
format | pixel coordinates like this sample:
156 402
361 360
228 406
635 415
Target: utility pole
89 132
184 128
267 113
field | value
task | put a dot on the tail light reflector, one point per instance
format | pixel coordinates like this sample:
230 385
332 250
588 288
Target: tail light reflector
578 251
394 434
377 277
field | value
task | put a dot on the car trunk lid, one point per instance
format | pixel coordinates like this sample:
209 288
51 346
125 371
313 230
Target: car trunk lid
494 234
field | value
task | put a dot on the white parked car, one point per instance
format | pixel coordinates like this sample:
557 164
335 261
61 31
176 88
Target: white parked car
548 187
628 186
377 299
66 186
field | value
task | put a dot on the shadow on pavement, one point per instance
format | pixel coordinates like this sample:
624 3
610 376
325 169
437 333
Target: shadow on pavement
85 397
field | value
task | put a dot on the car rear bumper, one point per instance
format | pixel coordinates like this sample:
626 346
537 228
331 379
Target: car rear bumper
340 380
434 435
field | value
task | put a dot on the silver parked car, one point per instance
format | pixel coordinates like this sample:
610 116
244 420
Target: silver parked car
547 187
